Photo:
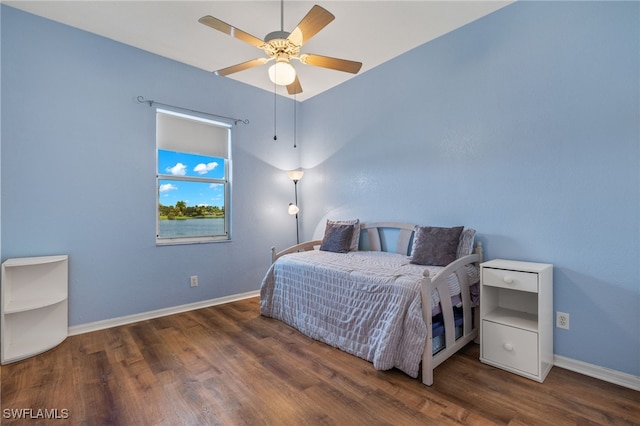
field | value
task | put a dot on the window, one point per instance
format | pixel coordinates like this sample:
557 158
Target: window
192 179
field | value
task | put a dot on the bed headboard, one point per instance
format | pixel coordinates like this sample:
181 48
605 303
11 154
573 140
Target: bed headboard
387 236
395 237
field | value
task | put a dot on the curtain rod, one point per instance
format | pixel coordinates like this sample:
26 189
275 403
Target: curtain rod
142 100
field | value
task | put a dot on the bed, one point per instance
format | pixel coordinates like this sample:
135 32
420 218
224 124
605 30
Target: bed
378 298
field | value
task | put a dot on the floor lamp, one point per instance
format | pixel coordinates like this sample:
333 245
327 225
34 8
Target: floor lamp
295 176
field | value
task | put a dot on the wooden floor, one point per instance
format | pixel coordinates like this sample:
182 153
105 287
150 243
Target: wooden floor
228 365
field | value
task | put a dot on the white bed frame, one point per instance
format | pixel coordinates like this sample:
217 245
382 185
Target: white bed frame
438 282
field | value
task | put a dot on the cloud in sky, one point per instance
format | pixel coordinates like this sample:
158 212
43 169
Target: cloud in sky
203 169
168 187
178 170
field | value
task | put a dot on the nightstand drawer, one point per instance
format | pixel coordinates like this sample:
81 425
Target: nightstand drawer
521 281
509 346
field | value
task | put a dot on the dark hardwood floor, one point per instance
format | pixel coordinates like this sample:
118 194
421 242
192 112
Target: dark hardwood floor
228 365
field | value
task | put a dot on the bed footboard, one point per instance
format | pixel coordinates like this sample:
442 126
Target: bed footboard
470 327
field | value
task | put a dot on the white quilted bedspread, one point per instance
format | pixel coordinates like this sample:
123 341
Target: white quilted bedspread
365 303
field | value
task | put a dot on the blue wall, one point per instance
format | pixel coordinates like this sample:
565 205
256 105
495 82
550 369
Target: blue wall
78 170
523 125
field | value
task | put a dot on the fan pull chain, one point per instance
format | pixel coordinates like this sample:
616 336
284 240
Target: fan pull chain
295 121
275 114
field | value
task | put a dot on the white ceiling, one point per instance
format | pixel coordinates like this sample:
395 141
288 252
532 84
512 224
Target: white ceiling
371 32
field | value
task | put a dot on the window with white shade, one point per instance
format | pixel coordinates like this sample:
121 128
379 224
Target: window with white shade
192 179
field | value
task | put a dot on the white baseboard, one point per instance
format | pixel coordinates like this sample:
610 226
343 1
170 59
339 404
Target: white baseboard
128 319
602 373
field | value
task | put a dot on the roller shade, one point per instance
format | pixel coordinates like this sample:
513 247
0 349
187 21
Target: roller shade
177 132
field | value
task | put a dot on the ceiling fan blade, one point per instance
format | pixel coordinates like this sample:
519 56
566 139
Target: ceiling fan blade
219 25
295 87
241 67
317 18
332 63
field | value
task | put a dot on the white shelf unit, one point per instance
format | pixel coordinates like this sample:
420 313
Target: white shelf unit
34 306
516 315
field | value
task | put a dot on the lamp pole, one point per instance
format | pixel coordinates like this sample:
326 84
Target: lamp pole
295 176
295 189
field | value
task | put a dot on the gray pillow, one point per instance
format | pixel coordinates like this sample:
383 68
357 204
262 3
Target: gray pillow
355 239
434 246
337 238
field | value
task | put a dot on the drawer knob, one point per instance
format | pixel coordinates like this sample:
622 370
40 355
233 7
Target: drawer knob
508 279
508 347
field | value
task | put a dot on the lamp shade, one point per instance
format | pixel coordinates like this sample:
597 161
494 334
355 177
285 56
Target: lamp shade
295 175
282 73
293 209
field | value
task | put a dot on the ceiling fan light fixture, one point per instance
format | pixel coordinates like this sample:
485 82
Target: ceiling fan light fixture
283 46
282 73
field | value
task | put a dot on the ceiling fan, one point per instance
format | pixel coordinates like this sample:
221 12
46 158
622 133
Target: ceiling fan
282 46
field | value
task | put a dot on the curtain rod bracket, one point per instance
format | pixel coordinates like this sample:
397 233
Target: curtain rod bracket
142 100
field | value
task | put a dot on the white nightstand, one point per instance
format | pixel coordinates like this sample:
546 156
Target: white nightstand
516 316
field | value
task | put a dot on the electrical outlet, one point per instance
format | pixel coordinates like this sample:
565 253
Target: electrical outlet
194 281
562 320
